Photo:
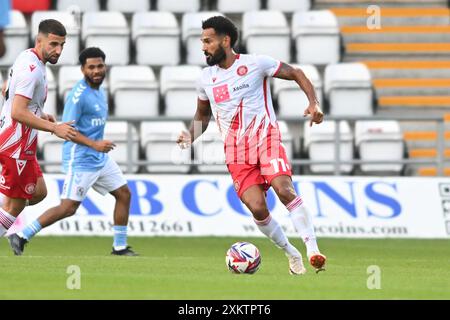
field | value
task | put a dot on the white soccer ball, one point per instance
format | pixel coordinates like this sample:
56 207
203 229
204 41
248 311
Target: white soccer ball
243 257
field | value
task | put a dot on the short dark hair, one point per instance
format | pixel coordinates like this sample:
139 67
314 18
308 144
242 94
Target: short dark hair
52 26
91 52
222 26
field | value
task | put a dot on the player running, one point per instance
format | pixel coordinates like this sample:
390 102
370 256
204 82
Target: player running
235 89
22 115
85 158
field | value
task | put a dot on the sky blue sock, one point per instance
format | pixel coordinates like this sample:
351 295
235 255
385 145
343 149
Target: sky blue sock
30 230
120 237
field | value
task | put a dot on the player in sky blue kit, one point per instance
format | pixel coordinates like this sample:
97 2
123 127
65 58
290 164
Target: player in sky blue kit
85 158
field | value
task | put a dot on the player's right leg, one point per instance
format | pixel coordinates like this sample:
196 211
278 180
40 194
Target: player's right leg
255 200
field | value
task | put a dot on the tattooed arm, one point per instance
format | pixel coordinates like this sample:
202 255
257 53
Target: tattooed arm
288 72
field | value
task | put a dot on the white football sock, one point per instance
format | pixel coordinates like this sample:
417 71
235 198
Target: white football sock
302 220
6 221
274 232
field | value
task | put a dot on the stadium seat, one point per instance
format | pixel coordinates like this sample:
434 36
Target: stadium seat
108 31
50 147
191 29
260 28
348 88
158 142
156 36
289 5
208 150
27 6
382 141
117 132
178 86
71 50
52 98
316 37
178 6
68 76
291 99
226 6
135 91
78 5
319 144
15 37
128 6
1 96
287 139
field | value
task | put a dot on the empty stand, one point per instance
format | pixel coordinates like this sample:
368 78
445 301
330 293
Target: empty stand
319 143
78 5
382 141
316 36
226 6
15 37
50 147
116 131
156 36
50 105
135 91
178 6
179 90
28 7
289 6
348 88
67 78
108 31
260 28
69 55
158 143
208 150
128 6
191 30
291 99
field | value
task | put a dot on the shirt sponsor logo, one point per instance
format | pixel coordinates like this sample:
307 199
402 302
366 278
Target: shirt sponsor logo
95 122
240 87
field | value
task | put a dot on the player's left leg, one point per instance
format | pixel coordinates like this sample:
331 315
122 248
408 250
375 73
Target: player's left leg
300 217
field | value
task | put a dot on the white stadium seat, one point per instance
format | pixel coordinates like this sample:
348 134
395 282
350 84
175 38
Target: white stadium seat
291 99
51 148
108 31
158 142
287 139
16 38
178 86
135 91
50 105
262 27
191 30
128 6
156 36
227 6
289 5
178 6
1 96
68 76
316 37
319 143
208 150
117 132
382 141
71 50
78 5
348 87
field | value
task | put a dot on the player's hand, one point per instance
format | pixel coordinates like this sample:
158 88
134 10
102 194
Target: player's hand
315 112
65 130
184 140
104 146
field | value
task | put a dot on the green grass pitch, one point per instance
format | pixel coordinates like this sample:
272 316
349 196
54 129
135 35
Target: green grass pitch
194 268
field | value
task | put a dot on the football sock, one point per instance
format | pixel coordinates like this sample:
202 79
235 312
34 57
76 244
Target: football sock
30 230
273 230
6 221
120 237
302 221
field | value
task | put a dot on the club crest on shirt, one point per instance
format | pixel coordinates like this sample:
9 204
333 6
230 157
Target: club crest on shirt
242 70
30 188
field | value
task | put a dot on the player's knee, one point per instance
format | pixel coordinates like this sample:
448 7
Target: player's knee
286 194
124 194
258 209
70 209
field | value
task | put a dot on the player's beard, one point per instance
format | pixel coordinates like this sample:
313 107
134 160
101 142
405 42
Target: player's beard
217 57
95 83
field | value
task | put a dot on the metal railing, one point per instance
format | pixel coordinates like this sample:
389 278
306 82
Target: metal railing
439 161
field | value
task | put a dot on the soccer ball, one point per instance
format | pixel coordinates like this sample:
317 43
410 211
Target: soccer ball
243 257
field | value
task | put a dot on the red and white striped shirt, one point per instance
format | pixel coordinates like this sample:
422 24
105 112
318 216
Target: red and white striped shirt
27 78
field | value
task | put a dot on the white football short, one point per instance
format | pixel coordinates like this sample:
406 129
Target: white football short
105 180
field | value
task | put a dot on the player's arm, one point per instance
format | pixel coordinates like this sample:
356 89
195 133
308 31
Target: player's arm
22 114
288 72
98 145
198 125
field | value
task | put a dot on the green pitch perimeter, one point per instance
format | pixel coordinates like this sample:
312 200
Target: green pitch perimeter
194 268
